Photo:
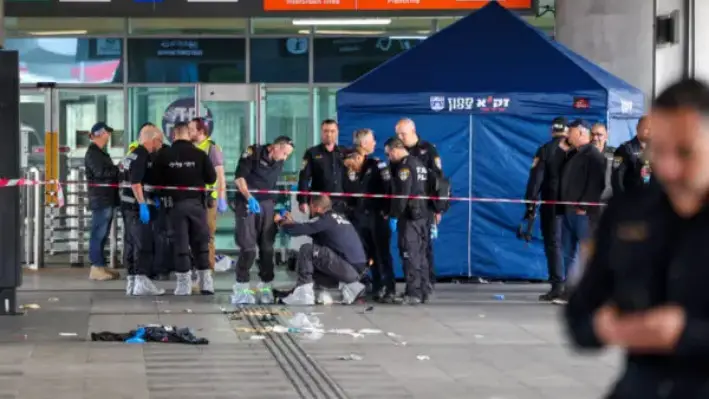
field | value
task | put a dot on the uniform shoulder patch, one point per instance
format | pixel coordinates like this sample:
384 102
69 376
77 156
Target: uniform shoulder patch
381 165
304 164
248 152
437 161
617 160
535 162
404 173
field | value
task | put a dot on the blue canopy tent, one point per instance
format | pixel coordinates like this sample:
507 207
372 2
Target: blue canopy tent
484 91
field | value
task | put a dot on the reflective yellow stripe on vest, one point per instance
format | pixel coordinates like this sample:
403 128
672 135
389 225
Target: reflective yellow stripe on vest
132 146
205 146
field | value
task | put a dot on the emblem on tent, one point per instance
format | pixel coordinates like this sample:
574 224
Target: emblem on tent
438 103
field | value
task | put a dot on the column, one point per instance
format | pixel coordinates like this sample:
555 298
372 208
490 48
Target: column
616 35
2 23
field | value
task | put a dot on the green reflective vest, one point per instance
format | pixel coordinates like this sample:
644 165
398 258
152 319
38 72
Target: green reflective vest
206 146
132 146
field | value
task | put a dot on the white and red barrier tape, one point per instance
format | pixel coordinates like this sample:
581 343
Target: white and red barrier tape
28 182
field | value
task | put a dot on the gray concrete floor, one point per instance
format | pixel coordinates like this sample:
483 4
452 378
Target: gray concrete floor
467 344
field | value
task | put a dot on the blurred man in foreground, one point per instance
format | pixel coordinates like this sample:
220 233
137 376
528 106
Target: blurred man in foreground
644 288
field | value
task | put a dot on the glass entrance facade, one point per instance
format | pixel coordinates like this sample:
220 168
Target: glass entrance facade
130 71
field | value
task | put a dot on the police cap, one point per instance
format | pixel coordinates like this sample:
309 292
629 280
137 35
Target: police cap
99 128
558 125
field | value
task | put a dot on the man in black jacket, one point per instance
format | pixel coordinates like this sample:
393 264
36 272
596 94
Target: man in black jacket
582 183
543 184
631 167
100 170
644 287
335 258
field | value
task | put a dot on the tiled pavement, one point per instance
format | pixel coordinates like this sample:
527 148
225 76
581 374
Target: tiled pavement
467 344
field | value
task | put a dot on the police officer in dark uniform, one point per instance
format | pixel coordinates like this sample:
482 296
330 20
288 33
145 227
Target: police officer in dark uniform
136 204
644 288
368 174
543 183
258 169
323 167
410 218
162 229
185 165
428 155
631 166
336 257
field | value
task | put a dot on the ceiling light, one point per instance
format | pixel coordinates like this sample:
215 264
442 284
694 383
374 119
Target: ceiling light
341 22
58 32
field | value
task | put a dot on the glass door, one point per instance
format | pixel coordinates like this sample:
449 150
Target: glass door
233 113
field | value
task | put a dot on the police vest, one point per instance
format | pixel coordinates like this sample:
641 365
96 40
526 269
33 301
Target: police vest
126 192
132 146
206 146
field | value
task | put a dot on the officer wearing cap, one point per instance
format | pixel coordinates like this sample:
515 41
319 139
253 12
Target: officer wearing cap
582 180
410 219
200 136
184 165
543 184
437 184
369 174
630 162
100 170
136 203
258 169
322 169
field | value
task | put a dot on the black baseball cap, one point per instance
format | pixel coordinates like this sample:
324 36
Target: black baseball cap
559 124
395 142
99 128
580 123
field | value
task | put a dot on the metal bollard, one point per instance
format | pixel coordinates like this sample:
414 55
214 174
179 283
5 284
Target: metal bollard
38 236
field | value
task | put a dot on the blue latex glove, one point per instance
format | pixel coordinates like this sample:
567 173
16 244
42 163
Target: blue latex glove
144 213
392 224
157 203
434 231
283 212
222 205
138 338
254 206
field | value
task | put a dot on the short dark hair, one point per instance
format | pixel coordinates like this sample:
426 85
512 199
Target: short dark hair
180 125
396 143
687 93
389 141
328 122
283 140
201 124
321 201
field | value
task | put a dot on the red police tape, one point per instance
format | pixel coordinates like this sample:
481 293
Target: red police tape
28 182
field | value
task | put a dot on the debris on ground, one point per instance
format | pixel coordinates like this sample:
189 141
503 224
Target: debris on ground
188 311
258 337
369 331
30 306
351 356
53 299
152 333
367 309
499 297
423 357
478 336
68 334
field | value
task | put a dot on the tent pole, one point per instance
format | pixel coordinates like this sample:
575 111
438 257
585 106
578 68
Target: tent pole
470 194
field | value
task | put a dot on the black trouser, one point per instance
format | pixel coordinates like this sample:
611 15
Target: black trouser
414 237
552 245
137 243
323 266
191 234
429 255
162 229
255 231
375 234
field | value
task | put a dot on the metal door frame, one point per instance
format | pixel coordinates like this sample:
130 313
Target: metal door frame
253 94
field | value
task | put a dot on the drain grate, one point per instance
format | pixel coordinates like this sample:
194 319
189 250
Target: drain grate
306 375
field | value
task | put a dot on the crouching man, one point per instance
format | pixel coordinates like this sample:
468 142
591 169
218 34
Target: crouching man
336 257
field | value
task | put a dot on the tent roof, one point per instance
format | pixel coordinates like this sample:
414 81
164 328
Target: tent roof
491 50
